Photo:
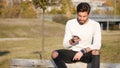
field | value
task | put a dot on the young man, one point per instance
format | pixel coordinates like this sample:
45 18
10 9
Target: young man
82 38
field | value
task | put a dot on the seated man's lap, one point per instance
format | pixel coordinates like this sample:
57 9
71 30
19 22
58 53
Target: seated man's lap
86 58
67 56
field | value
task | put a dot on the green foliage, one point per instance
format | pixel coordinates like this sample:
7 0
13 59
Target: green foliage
27 10
66 7
41 3
60 19
111 3
22 10
1 6
8 12
55 11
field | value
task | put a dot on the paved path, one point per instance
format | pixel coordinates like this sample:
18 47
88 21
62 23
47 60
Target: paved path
102 65
110 65
7 39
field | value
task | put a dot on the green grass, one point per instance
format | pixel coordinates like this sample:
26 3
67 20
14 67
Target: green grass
30 48
110 51
54 32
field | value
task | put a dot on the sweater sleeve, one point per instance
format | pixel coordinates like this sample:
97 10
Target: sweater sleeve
96 44
67 36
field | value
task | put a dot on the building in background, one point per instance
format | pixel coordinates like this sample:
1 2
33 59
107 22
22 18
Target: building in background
76 2
95 4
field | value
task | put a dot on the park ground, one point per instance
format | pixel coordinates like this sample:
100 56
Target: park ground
21 38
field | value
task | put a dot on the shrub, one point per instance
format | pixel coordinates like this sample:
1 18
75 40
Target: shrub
10 12
27 10
55 11
60 19
23 10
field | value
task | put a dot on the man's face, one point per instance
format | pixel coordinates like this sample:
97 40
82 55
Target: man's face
82 17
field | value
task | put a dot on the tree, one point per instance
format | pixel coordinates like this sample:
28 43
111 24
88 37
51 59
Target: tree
43 5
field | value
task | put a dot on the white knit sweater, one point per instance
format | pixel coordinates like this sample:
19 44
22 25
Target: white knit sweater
89 33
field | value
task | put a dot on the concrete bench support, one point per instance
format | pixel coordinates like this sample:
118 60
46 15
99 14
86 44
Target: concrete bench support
36 63
78 65
31 63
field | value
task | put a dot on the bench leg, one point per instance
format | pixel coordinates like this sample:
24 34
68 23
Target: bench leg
95 61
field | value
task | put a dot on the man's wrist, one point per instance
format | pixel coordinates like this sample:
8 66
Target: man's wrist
83 51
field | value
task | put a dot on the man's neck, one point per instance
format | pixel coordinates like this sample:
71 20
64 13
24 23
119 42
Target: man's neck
82 23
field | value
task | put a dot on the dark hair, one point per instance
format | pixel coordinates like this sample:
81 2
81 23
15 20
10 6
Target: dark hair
83 7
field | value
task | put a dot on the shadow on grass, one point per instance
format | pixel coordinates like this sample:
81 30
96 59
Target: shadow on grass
36 52
2 53
39 53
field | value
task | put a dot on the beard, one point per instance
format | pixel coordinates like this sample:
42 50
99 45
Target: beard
81 22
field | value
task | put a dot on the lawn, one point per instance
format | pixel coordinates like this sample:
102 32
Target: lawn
30 47
110 51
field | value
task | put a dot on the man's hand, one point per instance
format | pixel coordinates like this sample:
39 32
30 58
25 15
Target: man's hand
74 40
77 56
